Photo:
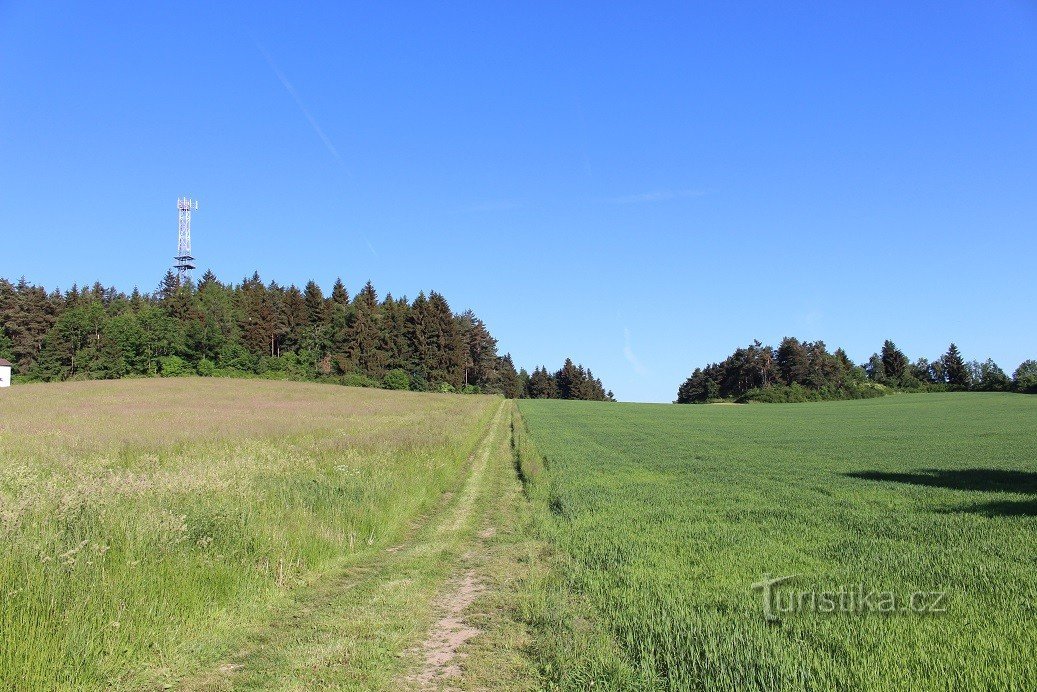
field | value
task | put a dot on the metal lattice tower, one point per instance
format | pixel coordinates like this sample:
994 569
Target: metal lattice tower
184 259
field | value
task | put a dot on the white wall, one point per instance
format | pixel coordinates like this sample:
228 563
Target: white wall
5 376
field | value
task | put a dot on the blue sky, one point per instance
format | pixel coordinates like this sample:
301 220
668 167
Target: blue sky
644 187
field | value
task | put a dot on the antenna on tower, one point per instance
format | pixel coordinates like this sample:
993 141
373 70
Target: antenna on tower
184 259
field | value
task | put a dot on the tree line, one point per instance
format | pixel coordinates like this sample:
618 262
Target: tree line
257 329
798 371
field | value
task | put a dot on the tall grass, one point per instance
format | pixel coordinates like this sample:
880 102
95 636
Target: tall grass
663 517
143 522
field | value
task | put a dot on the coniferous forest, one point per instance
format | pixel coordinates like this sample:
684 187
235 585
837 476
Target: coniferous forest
798 371
257 329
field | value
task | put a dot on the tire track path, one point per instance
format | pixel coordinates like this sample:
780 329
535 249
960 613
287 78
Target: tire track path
357 627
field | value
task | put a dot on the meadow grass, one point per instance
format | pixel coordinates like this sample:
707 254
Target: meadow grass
662 518
143 523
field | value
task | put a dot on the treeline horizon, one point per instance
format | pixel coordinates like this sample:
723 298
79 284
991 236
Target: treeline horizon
799 371
255 329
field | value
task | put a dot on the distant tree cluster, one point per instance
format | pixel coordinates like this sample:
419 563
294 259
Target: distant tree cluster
890 367
254 329
798 371
570 382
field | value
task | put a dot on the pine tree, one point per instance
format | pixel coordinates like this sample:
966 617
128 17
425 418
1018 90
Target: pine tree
793 361
954 366
894 362
5 347
255 317
568 380
28 323
446 350
208 280
511 384
169 285
136 300
542 385
480 354
299 333
523 376
363 334
339 294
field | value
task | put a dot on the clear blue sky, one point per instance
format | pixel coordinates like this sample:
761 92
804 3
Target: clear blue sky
644 187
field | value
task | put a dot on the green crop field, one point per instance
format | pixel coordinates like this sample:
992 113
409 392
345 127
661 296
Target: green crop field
661 519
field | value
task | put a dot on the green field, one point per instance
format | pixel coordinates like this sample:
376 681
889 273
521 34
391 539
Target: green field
203 534
661 518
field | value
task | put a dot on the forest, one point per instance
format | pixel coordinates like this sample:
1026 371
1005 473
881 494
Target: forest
257 329
798 371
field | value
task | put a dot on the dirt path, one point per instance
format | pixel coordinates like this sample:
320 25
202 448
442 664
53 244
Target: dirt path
441 665
395 620
438 654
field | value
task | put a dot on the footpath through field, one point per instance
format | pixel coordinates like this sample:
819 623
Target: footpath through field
396 621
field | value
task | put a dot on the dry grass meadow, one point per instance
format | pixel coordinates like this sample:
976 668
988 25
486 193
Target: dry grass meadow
144 523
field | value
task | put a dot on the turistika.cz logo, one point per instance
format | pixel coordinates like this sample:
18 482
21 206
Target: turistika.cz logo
847 599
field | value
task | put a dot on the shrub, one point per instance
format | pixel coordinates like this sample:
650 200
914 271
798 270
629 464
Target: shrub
173 366
781 394
355 379
206 368
235 357
233 372
396 379
765 395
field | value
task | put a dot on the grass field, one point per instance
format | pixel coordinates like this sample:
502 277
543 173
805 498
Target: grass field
197 534
661 518
154 529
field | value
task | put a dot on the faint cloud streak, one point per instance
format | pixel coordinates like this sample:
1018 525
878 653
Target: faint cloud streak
328 144
628 353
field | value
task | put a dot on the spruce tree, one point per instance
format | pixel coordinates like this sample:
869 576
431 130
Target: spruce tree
511 384
542 385
894 362
954 366
339 294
